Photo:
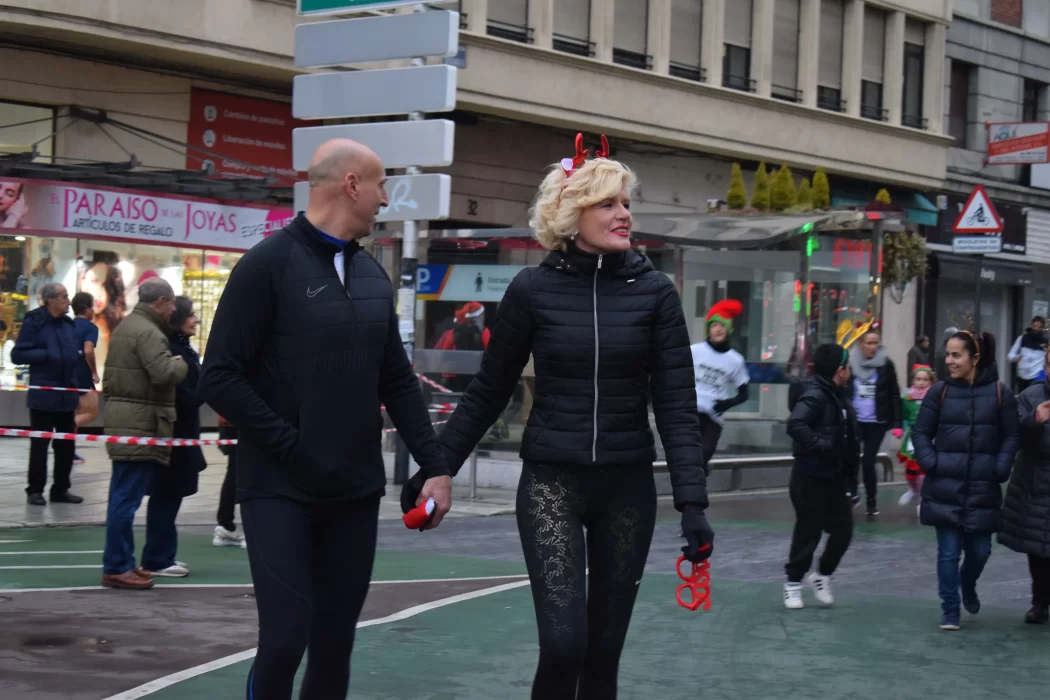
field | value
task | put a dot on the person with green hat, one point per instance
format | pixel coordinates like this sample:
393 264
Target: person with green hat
719 371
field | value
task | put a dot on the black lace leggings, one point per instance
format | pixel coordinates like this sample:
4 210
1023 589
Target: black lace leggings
583 623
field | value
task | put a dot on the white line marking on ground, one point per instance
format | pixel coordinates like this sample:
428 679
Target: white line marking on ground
69 551
71 566
14 541
175 678
82 589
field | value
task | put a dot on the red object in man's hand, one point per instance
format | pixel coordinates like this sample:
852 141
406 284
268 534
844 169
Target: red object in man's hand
697 582
416 518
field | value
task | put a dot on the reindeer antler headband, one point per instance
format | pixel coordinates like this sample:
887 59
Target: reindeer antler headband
570 165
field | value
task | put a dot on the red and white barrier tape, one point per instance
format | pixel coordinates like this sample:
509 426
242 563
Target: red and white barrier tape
434 385
118 439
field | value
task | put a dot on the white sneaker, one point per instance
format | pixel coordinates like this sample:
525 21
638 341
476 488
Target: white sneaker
821 587
225 538
906 497
793 596
177 570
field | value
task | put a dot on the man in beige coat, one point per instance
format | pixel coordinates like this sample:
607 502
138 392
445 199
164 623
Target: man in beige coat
139 390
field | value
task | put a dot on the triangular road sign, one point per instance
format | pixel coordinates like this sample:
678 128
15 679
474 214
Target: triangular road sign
979 215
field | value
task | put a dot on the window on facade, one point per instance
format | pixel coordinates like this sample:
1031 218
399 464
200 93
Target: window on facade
1033 93
631 24
829 64
914 63
785 51
972 8
959 104
872 66
1009 11
572 25
686 35
1036 18
736 69
736 66
509 19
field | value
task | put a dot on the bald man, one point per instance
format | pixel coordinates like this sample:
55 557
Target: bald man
304 349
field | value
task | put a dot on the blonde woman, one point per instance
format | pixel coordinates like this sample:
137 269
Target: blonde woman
607 332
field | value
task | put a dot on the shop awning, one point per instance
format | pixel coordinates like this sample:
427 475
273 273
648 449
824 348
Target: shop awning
743 231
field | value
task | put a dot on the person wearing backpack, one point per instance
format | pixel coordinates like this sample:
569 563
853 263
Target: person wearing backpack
966 437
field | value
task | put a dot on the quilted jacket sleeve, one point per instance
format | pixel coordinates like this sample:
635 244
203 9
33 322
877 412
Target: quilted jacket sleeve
803 422
510 345
673 389
1010 434
926 429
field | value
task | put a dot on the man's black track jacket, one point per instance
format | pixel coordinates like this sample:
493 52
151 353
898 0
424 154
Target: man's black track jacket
301 364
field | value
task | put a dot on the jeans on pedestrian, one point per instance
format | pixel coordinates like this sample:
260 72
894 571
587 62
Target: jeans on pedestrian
951 544
127 487
162 539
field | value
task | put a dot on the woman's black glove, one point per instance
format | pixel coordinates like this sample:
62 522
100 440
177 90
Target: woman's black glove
410 491
699 536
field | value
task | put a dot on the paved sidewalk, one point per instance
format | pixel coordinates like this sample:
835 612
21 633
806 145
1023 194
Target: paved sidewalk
91 481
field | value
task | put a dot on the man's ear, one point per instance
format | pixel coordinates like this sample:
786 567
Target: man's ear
351 186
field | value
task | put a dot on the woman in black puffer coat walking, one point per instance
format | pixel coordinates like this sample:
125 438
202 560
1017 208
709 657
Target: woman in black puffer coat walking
607 332
1026 513
966 437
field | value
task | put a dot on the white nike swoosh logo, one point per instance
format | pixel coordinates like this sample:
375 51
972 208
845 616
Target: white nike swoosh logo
311 293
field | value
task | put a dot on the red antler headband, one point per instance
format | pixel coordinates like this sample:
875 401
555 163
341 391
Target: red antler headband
570 165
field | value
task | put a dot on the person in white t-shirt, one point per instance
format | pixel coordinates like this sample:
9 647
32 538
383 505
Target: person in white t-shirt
721 373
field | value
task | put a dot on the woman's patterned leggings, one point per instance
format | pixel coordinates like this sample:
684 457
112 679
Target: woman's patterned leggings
583 624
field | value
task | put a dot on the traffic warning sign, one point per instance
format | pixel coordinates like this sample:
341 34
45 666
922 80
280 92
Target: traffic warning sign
979 215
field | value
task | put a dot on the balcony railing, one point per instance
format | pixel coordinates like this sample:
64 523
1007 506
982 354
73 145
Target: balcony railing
915 122
834 104
879 114
787 94
632 59
684 70
738 82
570 44
510 32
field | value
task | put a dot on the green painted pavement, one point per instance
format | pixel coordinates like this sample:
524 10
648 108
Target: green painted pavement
208 564
746 648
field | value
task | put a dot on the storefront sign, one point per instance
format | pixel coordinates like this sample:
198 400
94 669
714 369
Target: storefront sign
256 132
465 282
331 7
1018 143
82 212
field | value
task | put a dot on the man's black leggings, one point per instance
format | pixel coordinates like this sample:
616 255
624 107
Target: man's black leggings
583 620
311 566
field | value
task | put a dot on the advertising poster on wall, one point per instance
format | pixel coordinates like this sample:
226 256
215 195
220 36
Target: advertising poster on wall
244 130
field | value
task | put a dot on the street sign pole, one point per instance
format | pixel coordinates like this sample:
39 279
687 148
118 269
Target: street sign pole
406 294
977 313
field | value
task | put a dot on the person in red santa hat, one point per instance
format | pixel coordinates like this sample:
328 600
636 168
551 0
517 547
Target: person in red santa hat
720 371
468 333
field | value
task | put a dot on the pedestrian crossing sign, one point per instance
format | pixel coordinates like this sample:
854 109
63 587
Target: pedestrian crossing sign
979 215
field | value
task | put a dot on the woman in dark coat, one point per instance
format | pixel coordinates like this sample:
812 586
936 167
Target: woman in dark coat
179 480
1026 513
966 437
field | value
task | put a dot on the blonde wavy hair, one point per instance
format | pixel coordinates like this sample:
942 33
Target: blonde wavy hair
555 215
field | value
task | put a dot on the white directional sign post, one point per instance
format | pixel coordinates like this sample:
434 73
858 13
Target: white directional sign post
407 92
979 231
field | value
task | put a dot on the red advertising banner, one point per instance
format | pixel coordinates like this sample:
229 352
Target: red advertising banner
1018 143
258 132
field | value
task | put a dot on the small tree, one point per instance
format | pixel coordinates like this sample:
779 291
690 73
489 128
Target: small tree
821 190
736 198
760 198
805 194
883 196
783 190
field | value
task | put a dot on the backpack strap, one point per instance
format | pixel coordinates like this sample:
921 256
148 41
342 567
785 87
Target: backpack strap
999 391
943 392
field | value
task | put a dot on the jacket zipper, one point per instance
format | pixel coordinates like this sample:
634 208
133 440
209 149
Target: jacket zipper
594 442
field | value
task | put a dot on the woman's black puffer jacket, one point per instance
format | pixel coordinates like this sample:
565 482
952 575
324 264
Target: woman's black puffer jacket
605 332
966 438
1026 513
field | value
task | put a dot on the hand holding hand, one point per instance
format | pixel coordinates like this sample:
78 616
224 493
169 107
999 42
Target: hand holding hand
440 489
699 536
1042 413
897 433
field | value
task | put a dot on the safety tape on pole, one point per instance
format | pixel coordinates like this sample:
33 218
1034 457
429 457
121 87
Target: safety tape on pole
23 387
434 385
